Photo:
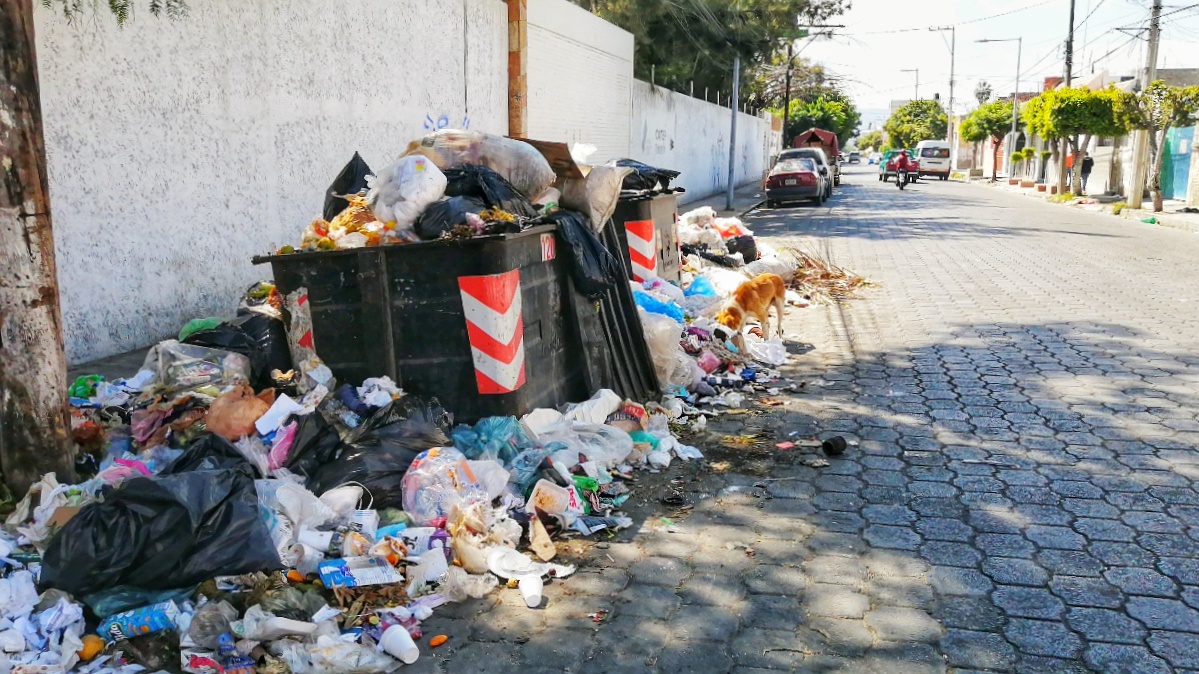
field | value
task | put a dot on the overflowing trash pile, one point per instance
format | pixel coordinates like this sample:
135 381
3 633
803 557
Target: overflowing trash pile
237 509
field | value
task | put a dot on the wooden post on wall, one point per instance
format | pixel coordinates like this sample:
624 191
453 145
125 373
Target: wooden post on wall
518 61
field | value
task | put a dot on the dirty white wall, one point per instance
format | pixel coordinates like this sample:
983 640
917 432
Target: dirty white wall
579 76
675 131
178 150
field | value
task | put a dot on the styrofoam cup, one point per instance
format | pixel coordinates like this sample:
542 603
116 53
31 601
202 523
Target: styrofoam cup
399 644
531 588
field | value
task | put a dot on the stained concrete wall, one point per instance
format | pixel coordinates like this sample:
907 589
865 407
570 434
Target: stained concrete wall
675 131
579 78
178 150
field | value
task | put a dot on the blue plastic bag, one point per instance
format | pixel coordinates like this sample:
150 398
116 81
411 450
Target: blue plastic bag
656 306
495 438
701 286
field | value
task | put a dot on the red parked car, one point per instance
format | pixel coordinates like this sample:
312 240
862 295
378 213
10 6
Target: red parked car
795 180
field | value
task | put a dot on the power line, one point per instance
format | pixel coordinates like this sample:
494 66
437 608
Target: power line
963 23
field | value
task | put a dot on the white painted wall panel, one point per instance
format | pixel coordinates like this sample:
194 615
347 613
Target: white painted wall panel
579 79
177 150
675 131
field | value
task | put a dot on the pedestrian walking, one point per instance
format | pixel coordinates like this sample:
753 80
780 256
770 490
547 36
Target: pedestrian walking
1087 165
1070 167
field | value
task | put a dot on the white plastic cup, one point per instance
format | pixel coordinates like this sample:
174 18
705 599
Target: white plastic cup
318 540
531 588
399 644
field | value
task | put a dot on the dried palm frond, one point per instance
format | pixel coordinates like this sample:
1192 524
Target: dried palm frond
823 282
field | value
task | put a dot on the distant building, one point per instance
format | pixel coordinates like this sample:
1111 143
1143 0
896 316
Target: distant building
897 104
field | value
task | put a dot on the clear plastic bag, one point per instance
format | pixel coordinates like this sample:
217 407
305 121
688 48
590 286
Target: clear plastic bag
518 162
458 585
211 621
662 336
439 480
180 367
403 190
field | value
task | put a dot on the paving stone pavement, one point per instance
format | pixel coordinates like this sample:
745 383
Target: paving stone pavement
1022 385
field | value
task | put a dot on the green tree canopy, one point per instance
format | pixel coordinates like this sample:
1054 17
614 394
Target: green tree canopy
833 113
872 139
989 120
687 41
917 121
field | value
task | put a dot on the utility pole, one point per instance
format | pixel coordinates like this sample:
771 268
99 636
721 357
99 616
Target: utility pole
953 44
787 92
917 71
733 132
1070 47
1141 148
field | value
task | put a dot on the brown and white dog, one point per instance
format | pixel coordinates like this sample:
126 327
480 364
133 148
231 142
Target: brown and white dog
753 299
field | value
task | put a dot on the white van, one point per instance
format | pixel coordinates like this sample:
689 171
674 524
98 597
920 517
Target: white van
934 158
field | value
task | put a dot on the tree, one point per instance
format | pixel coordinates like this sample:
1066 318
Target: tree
1075 115
34 427
982 92
766 85
1155 110
991 120
1028 154
872 140
917 121
684 41
833 113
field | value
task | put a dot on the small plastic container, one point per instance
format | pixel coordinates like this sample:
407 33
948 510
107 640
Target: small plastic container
531 589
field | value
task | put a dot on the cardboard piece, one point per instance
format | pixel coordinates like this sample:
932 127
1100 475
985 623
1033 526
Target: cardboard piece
558 155
62 515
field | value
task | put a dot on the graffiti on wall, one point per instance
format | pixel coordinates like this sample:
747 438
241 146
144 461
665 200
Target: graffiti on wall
443 122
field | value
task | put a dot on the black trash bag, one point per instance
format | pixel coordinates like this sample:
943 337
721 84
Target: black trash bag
261 338
351 180
593 268
745 245
162 533
644 176
473 180
380 450
316 443
209 452
445 214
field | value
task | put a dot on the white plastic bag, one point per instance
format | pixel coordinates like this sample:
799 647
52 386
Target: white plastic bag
662 335
771 352
596 409
403 190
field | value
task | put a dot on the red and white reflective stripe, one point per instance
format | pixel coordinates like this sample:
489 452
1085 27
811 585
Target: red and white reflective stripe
495 327
643 249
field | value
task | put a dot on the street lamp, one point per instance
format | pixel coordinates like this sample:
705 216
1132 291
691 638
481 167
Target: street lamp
1016 94
917 71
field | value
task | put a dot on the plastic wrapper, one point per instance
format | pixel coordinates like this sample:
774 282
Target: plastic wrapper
181 367
644 176
211 621
403 190
526 466
351 180
489 187
518 162
494 438
439 480
259 337
444 214
163 533
654 305
596 195
302 345
232 414
662 336
458 585
593 267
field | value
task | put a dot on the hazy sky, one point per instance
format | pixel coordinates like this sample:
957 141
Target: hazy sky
884 37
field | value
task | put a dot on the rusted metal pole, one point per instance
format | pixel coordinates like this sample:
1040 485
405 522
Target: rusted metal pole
34 425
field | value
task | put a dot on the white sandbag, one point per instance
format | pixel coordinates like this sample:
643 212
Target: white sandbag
403 190
596 195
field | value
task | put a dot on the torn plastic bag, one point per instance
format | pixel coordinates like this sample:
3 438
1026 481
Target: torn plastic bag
443 215
644 176
480 182
163 533
382 448
259 337
209 452
180 367
439 480
351 180
402 191
593 268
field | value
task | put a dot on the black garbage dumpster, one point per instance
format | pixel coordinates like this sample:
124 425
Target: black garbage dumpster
649 235
484 325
